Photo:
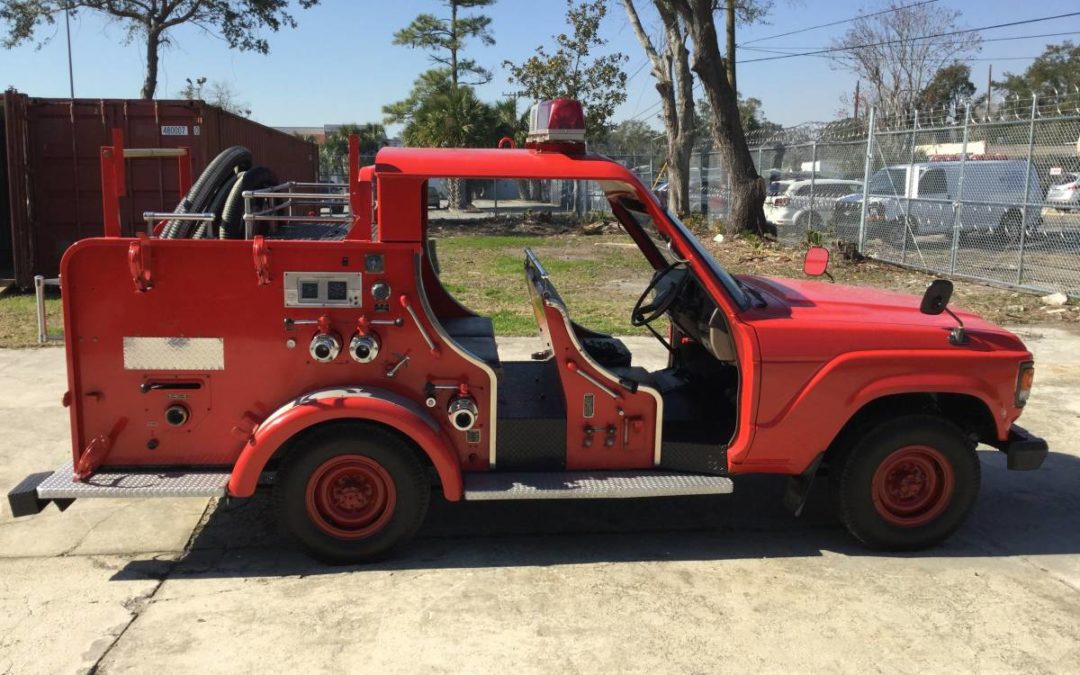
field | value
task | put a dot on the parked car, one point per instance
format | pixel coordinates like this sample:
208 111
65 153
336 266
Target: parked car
806 204
1065 196
434 199
927 195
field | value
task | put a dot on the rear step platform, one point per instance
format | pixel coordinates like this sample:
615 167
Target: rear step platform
591 485
35 492
163 483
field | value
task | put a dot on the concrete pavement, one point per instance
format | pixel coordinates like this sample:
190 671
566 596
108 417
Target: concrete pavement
699 584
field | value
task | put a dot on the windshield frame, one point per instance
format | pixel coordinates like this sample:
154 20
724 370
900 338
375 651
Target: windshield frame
651 208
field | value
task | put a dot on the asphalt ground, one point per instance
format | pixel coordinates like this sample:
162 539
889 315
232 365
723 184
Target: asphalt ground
700 584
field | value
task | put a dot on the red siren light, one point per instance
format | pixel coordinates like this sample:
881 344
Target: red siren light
557 122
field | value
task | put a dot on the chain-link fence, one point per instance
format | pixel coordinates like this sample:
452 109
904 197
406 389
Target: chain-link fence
991 195
985 193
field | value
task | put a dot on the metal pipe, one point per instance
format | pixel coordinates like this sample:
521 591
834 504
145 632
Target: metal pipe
958 205
39 298
169 215
153 153
322 196
252 218
1027 190
869 162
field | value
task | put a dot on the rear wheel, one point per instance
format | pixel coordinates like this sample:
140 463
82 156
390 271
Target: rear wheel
352 493
907 484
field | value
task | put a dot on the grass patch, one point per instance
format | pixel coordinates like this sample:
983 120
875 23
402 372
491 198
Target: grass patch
18 319
599 278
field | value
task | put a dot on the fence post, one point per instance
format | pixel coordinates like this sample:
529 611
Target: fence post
866 180
703 169
906 226
1027 191
958 205
813 181
759 149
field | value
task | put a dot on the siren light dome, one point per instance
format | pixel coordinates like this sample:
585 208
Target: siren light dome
559 120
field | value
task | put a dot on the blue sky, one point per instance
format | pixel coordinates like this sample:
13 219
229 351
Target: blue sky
339 65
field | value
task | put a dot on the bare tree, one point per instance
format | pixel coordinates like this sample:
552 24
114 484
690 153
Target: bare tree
239 22
675 84
898 51
747 187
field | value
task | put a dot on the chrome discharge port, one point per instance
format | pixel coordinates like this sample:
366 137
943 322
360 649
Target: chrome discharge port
364 348
325 347
462 412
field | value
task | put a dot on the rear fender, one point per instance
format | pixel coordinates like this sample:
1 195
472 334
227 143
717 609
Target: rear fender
346 403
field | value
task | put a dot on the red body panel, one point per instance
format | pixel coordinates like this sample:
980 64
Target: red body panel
808 361
210 290
354 403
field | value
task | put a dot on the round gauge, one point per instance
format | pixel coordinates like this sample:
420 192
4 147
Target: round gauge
381 291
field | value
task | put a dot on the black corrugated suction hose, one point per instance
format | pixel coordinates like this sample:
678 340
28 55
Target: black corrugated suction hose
217 206
203 189
232 218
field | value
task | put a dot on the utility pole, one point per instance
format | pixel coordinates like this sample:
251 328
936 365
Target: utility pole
989 86
857 83
71 70
731 46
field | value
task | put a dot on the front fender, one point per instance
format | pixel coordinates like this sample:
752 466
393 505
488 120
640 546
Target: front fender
348 403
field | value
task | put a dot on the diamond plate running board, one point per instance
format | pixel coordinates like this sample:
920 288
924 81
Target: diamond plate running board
133 484
591 485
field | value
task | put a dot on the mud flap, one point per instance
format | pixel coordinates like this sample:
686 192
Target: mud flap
798 487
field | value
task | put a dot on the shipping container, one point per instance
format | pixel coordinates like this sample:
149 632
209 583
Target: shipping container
50 174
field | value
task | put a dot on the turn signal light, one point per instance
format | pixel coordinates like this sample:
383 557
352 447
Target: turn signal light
1023 383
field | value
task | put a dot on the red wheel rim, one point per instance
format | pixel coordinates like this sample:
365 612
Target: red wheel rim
350 497
913 486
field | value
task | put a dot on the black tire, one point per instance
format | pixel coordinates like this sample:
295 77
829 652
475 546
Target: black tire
232 217
861 499
298 507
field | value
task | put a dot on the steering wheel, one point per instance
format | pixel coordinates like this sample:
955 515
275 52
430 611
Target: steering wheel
644 314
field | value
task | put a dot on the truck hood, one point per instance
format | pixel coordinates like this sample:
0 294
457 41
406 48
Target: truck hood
851 318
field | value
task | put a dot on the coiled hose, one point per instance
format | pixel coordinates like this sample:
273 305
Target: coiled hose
203 189
232 217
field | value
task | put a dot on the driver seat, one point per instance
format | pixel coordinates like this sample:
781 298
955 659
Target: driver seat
620 399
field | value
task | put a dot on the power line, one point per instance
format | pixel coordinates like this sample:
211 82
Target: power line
837 23
776 50
921 37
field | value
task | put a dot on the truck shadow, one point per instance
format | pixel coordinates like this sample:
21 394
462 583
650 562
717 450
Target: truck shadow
1018 514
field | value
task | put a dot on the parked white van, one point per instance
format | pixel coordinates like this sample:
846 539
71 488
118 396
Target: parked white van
927 195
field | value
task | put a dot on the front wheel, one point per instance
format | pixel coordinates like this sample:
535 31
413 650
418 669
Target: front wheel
352 493
907 484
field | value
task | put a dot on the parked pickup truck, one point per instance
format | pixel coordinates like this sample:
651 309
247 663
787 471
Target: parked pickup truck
328 364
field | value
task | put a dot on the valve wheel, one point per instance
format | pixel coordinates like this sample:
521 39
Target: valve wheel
913 486
350 496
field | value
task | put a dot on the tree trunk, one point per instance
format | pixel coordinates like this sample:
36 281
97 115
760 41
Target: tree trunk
748 188
153 48
671 70
731 47
457 197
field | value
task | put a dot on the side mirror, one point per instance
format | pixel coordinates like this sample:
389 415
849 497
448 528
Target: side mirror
816 261
937 296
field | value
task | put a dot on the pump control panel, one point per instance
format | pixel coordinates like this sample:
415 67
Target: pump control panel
323 289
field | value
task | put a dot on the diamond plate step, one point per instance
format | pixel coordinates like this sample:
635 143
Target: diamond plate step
591 485
133 484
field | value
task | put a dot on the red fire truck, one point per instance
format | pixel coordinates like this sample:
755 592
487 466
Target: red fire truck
313 351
